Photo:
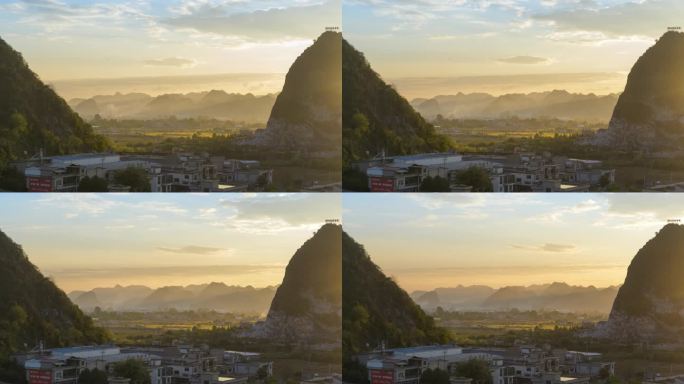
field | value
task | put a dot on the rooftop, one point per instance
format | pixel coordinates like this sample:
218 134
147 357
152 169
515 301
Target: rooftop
85 348
80 156
424 348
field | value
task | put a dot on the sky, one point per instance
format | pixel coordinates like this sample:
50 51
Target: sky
427 241
84 241
503 46
85 39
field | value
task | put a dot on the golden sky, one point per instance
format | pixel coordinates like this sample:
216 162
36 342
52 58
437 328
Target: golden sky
433 47
85 241
112 39
426 241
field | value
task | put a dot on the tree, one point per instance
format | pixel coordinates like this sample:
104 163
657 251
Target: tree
604 373
476 177
136 178
136 370
262 372
94 184
436 376
12 138
604 181
434 184
354 180
12 180
476 369
92 377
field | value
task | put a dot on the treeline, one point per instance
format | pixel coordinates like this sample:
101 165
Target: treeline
170 124
518 315
516 124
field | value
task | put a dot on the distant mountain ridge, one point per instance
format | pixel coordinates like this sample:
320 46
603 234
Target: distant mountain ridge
214 104
33 309
553 104
213 296
34 118
555 296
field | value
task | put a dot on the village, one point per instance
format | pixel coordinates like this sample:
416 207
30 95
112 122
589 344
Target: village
514 365
185 172
178 364
520 172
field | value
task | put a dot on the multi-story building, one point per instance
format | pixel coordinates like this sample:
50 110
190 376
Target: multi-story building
585 364
246 364
520 172
64 365
168 173
406 365
520 365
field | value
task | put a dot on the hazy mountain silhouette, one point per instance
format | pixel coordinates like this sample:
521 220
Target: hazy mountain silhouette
556 296
555 104
216 296
214 104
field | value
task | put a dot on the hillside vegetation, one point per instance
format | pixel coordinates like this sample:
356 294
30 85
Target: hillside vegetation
32 116
376 118
34 310
376 310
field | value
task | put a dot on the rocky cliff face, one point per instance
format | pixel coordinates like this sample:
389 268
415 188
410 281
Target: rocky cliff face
650 304
307 114
649 114
307 306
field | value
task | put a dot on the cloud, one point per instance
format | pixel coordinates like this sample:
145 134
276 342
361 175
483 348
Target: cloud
192 249
267 24
75 204
560 213
629 18
56 15
442 201
414 14
547 247
665 206
524 60
172 62
288 209
504 270
159 272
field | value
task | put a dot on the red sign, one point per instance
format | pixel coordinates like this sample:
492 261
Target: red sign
40 376
381 184
39 184
382 376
